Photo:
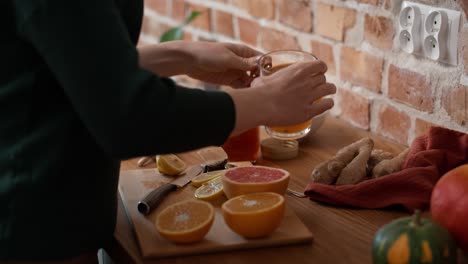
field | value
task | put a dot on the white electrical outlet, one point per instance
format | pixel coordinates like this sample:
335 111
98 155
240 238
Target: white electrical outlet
410 20
429 31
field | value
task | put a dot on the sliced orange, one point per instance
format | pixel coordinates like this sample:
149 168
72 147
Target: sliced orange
206 177
254 215
210 190
170 164
185 222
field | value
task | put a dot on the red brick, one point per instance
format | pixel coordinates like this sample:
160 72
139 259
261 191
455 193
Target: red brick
324 52
224 23
203 21
464 5
388 4
242 4
295 13
361 68
422 127
178 9
354 108
393 124
411 88
152 28
379 31
332 21
258 8
372 2
464 47
262 8
271 39
455 102
159 6
187 36
142 43
248 31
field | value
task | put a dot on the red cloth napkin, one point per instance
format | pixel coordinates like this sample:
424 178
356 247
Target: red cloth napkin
430 156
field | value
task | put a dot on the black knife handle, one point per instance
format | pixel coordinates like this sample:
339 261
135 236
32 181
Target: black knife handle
154 198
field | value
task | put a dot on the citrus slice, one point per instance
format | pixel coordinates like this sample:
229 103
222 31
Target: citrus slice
210 190
185 222
254 215
252 179
170 164
205 177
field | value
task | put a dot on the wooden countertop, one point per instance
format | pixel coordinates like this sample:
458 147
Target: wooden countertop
342 235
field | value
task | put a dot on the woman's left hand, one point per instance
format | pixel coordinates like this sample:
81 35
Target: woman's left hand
222 63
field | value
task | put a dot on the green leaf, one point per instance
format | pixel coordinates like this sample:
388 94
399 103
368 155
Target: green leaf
192 16
176 33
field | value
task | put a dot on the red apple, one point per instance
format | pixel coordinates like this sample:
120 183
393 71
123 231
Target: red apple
449 204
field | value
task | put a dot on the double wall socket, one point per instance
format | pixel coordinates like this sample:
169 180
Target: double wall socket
429 31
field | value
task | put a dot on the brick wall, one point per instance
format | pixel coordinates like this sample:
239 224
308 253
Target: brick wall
381 88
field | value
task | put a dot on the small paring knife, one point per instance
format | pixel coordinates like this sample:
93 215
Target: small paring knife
155 197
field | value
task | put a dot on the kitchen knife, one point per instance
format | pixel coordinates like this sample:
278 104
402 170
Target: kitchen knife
155 197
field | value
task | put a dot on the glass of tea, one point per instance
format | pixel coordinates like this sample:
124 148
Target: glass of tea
243 147
272 62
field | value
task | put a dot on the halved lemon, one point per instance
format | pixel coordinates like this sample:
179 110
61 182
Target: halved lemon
170 164
254 215
206 177
185 222
210 190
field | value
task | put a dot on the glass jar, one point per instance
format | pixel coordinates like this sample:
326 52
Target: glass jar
243 147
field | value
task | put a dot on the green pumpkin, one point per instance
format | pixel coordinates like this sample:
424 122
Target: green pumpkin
413 240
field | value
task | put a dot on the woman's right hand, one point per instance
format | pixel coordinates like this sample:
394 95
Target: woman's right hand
286 97
293 93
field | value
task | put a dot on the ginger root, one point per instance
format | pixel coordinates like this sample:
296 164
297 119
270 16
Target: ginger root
377 155
327 172
389 166
357 162
356 170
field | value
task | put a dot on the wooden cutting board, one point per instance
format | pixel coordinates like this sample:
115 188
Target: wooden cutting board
134 184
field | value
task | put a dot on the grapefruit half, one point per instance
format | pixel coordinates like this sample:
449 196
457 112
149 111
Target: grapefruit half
253 179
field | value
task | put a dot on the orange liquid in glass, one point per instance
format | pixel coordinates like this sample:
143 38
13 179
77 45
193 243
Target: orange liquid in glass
293 128
243 147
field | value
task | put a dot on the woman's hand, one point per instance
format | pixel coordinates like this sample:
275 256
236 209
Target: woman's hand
222 63
217 63
286 97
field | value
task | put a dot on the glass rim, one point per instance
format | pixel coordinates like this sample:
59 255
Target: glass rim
259 58
287 50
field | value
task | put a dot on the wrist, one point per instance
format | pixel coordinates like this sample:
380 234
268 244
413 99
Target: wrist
166 59
249 112
182 53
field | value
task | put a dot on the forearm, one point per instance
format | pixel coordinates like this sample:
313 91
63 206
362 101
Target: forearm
111 94
249 112
165 59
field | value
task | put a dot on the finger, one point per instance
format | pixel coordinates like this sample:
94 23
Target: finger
316 80
323 90
242 81
320 106
243 50
244 58
309 68
244 64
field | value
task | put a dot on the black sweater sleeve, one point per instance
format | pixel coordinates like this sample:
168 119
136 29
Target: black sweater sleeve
129 111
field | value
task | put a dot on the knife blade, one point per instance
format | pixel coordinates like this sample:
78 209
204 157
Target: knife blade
156 196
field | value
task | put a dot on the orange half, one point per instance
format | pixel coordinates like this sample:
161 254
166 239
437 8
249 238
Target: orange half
185 222
254 215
